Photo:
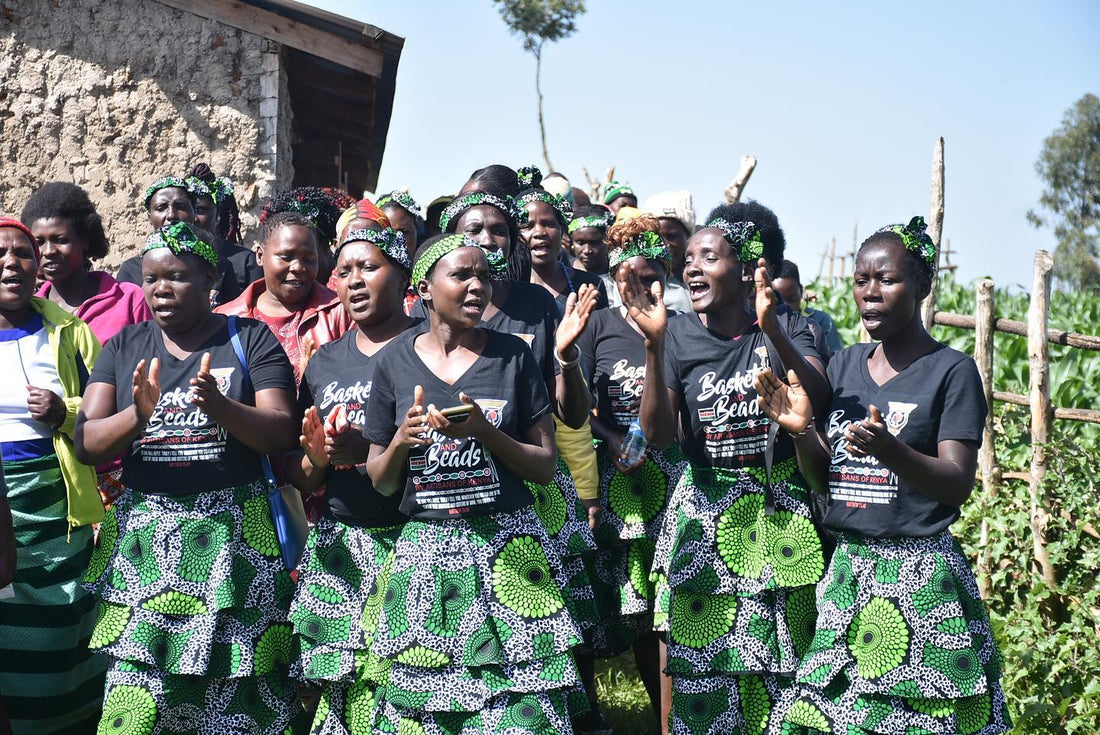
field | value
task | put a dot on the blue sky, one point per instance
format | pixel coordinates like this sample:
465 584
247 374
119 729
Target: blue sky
841 103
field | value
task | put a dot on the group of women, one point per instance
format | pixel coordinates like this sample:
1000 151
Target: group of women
509 477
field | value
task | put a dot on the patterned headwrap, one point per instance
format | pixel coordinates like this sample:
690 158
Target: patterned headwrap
744 236
498 264
602 222
221 189
363 209
16 224
616 190
466 202
165 182
915 238
180 238
196 187
647 244
529 179
401 199
434 253
389 241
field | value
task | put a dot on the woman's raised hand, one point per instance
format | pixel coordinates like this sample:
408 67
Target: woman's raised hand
645 307
205 392
578 308
312 439
787 405
146 389
414 430
766 299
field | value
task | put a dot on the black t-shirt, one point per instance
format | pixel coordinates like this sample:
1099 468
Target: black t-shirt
340 374
456 477
182 450
722 423
937 398
613 355
579 278
530 314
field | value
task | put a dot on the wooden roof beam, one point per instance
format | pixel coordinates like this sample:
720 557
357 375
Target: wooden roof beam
288 32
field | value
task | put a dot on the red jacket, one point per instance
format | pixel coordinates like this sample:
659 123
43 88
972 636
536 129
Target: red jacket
323 318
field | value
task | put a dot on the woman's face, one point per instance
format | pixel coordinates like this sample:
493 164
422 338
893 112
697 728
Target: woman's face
62 249
542 233
370 286
674 235
206 213
487 226
458 287
714 277
17 270
289 258
590 249
623 200
177 288
404 223
170 205
887 294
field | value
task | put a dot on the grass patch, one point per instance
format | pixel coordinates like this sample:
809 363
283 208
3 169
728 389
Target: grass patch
622 697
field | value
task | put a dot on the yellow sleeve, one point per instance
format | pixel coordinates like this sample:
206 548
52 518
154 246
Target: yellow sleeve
575 447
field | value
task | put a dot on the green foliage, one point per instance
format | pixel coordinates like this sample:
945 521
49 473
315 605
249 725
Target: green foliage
1069 166
539 21
1051 667
623 699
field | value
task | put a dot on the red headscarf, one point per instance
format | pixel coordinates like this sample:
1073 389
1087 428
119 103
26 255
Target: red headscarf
12 222
363 209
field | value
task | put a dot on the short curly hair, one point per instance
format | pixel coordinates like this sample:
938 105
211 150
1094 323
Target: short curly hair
288 219
62 200
315 203
775 243
630 228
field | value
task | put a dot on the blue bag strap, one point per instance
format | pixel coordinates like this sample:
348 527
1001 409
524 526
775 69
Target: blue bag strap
235 340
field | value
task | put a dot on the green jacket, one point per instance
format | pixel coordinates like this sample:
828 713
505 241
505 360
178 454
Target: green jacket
75 351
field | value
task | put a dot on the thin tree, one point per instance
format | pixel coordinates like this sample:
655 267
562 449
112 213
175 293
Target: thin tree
538 22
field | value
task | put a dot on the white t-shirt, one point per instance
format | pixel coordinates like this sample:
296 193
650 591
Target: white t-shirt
25 352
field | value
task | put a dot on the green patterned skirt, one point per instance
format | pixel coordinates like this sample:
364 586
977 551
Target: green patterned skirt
342 570
475 628
48 678
632 514
902 644
193 615
565 519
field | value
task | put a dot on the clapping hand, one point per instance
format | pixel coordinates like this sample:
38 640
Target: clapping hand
578 308
645 307
414 430
474 425
146 389
870 437
787 405
766 299
205 392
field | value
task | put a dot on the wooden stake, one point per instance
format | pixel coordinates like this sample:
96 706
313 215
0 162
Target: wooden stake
1042 414
733 191
987 457
821 266
832 258
935 228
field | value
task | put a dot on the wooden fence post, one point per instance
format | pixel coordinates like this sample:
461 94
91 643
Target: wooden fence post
935 230
987 457
1042 415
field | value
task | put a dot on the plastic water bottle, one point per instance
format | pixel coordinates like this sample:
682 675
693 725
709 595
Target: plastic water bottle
634 444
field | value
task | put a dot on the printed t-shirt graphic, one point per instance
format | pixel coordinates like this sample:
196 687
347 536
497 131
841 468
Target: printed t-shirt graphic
451 476
936 398
339 374
613 354
724 426
179 435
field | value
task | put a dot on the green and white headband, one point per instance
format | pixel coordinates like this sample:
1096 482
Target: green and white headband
560 204
196 187
915 238
436 252
221 188
647 244
165 182
180 238
401 199
389 241
603 222
466 202
743 236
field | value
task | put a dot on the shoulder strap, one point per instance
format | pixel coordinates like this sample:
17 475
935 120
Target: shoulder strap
235 340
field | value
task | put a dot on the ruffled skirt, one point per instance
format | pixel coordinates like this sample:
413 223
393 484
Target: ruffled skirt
902 644
193 614
733 589
475 628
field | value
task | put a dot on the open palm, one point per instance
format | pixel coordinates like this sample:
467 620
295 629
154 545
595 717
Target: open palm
787 405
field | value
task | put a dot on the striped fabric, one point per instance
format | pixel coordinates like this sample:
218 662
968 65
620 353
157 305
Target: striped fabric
48 679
